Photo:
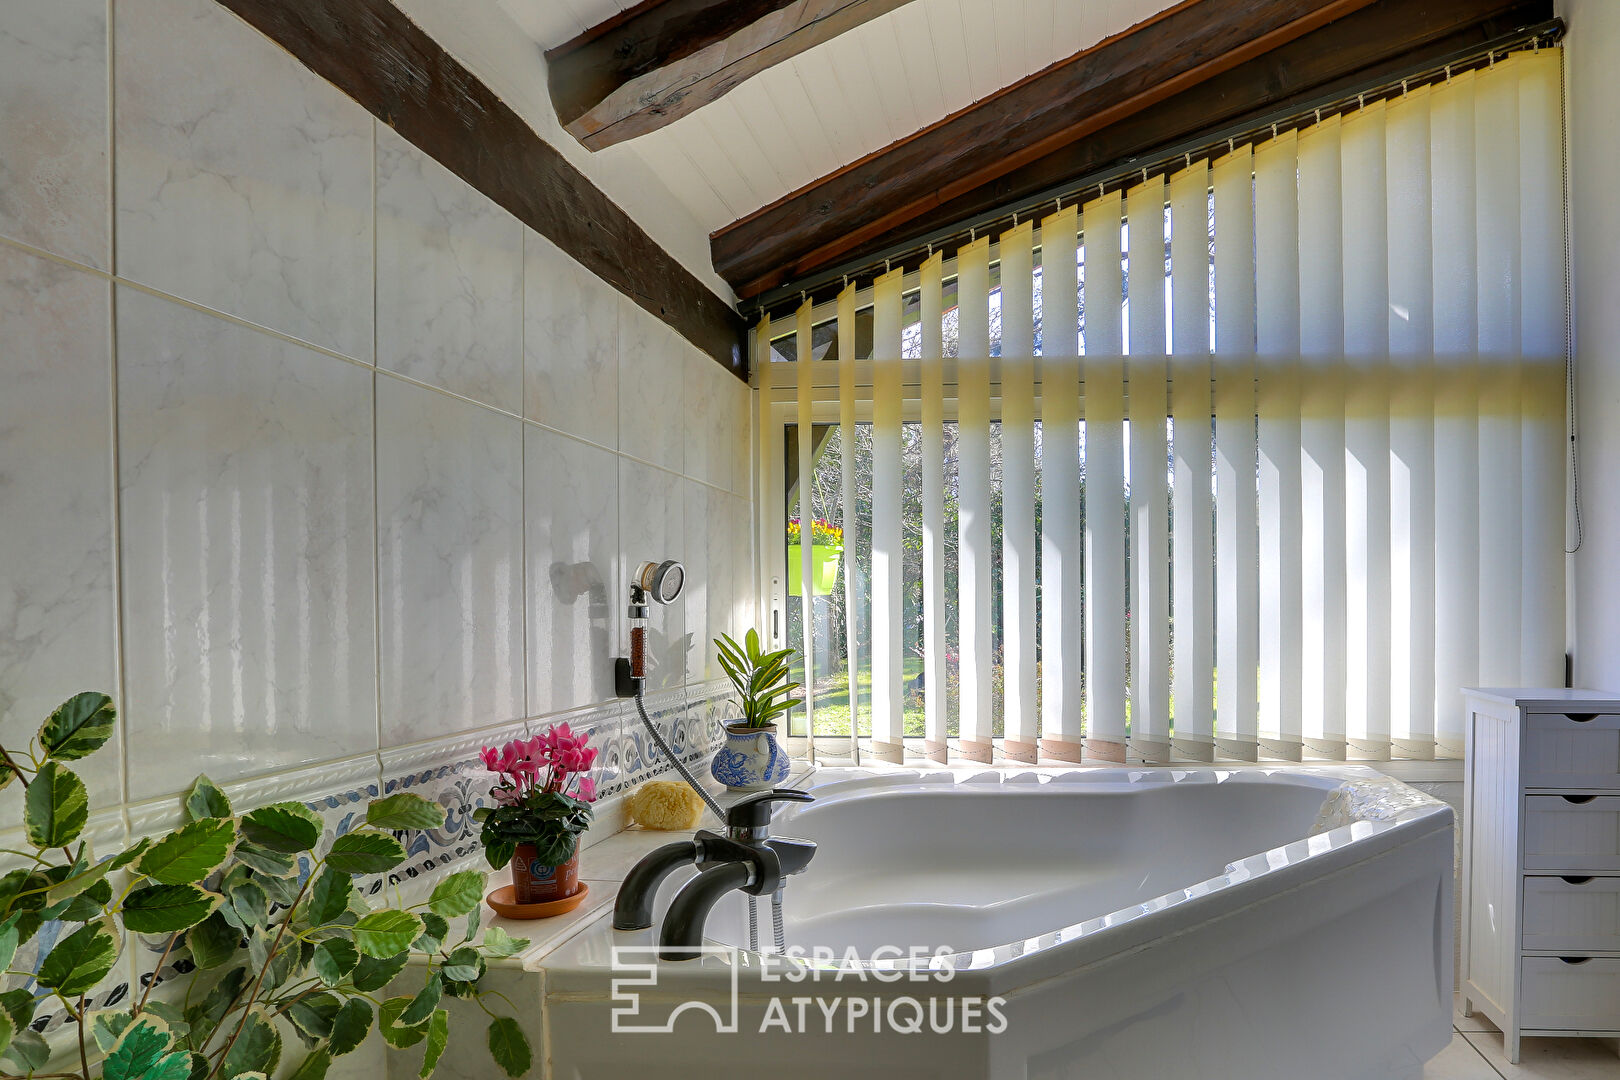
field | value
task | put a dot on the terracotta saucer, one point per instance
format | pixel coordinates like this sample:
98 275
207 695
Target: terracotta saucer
501 900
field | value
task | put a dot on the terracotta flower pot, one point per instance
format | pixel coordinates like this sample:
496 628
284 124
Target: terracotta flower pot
533 882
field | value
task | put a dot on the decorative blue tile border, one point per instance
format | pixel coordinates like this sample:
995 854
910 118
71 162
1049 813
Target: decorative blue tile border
451 773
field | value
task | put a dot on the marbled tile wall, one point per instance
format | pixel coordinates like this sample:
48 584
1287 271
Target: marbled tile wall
320 462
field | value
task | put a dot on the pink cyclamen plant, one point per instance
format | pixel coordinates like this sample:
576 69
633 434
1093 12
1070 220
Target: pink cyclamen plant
542 798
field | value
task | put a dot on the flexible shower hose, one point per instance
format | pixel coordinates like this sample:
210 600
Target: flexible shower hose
686 774
680 766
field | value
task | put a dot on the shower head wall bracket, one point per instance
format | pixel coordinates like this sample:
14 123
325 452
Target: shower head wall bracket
654 582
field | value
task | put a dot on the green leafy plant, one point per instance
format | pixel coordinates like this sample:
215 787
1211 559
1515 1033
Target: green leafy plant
280 939
761 678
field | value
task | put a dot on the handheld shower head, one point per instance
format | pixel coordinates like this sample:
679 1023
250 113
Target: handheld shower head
661 581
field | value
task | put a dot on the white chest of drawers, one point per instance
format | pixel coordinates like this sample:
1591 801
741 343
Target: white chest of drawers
1541 863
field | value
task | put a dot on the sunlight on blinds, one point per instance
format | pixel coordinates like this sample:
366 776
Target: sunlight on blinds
1062 547
973 497
1107 676
1018 493
1261 460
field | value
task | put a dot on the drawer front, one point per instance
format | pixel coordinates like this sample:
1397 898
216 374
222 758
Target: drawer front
1576 835
1571 914
1572 750
1559 995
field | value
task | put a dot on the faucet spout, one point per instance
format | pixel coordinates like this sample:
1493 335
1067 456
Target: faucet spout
682 933
633 910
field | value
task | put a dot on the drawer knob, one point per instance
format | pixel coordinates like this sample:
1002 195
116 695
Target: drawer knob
1574 959
1578 799
1583 717
1577 880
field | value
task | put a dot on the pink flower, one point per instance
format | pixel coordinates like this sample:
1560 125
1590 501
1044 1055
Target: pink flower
511 753
491 758
586 791
505 796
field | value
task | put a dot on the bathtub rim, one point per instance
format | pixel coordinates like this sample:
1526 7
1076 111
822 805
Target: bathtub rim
1011 965
1322 852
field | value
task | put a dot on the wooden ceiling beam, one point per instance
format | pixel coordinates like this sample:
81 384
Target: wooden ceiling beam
1377 44
369 50
662 59
1180 48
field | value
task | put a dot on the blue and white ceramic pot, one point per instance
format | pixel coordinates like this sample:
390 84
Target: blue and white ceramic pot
751 759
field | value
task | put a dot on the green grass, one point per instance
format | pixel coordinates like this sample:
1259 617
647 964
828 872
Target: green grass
832 702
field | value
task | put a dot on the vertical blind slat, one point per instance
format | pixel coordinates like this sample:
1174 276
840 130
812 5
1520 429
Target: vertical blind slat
807 606
1542 232
1411 427
1105 482
1192 409
1018 492
1367 509
846 443
1496 165
1456 406
764 587
1062 627
1237 618
933 511
973 496
1150 544
888 556
1276 249
1321 304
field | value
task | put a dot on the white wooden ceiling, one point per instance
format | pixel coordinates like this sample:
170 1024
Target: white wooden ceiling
872 86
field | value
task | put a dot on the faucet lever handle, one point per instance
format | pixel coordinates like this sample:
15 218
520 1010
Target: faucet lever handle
754 811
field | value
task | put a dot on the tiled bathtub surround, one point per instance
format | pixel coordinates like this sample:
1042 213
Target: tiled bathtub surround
326 467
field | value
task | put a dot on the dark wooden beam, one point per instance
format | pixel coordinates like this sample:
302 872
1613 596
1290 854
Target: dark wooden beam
1177 49
372 52
1379 43
655 62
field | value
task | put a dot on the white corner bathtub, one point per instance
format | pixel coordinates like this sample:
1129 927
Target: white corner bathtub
1097 924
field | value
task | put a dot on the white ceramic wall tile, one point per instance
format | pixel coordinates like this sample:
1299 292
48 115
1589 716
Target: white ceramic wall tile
53 127
247 555
449 563
243 179
449 279
652 374
57 604
570 344
710 576
576 589
741 404
651 527
743 611
722 433
707 429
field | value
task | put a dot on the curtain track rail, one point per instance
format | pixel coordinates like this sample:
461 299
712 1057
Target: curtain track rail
825 284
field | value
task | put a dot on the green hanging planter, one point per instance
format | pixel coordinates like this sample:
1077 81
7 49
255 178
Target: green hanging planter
823 568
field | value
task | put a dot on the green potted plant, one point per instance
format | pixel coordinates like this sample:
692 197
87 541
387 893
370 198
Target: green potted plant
279 940
751 759
826 548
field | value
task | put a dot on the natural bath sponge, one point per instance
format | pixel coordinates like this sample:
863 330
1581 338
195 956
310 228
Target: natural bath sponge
665 804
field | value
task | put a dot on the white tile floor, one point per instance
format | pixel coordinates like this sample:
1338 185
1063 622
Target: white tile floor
1475 1053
